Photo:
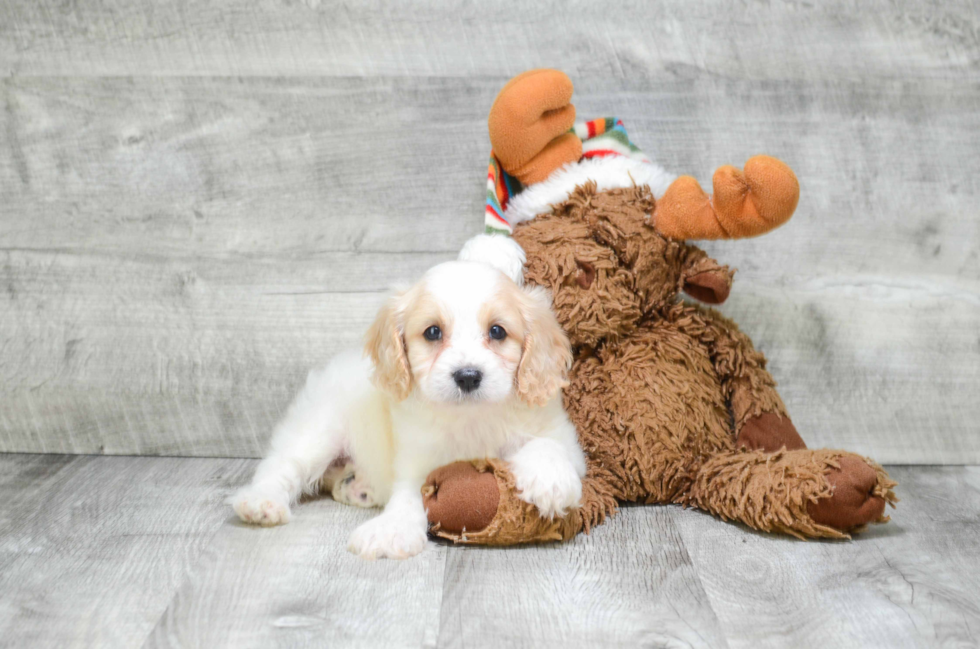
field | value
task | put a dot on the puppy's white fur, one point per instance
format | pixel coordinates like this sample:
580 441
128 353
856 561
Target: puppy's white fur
399 414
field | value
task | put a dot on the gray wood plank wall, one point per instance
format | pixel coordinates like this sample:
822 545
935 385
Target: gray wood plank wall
199 202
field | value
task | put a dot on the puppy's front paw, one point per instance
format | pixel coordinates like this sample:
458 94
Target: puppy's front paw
391 536
548 482
259 506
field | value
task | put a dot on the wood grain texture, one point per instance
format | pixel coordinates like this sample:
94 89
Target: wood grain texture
758 40
297 586
123 552
179 245
910 583
93 549
629 584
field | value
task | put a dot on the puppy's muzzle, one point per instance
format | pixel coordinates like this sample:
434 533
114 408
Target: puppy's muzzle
468 378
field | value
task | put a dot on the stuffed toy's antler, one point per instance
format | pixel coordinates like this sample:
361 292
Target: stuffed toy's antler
530 124
745 204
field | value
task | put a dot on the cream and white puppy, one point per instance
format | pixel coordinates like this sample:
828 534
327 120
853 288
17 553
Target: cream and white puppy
465 364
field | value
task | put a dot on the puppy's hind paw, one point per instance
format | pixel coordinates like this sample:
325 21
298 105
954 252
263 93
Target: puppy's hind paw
353 489
261 507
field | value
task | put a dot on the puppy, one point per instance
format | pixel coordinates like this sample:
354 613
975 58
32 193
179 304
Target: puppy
466 364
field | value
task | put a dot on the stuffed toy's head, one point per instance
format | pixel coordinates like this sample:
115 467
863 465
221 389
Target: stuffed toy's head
607 266
602 224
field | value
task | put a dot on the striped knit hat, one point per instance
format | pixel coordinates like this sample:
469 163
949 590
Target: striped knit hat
601 138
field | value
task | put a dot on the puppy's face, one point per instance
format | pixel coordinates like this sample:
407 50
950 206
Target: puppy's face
467 334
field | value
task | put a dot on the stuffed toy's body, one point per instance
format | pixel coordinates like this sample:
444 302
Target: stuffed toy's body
671 401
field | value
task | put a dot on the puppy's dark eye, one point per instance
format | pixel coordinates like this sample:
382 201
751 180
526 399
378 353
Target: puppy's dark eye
497 332
433 333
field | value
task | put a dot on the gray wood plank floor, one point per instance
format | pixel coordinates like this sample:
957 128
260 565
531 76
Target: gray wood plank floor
124 552
199 202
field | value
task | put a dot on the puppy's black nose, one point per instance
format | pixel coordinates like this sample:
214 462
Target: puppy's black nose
468 378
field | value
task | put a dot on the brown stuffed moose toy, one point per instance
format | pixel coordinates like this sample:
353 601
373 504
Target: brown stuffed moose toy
672 402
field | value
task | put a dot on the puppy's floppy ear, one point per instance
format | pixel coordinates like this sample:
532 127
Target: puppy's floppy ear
385 345
547 354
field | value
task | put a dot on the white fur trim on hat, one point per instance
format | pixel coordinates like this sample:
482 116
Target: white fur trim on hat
499 251
610 172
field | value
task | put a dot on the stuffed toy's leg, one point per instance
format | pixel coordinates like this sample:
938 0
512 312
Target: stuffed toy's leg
477 503
808 494
769 480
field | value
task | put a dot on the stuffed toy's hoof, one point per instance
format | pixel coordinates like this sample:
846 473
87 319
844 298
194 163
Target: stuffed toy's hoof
745 203
477 503
769 433
860 492
460 498
529 125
